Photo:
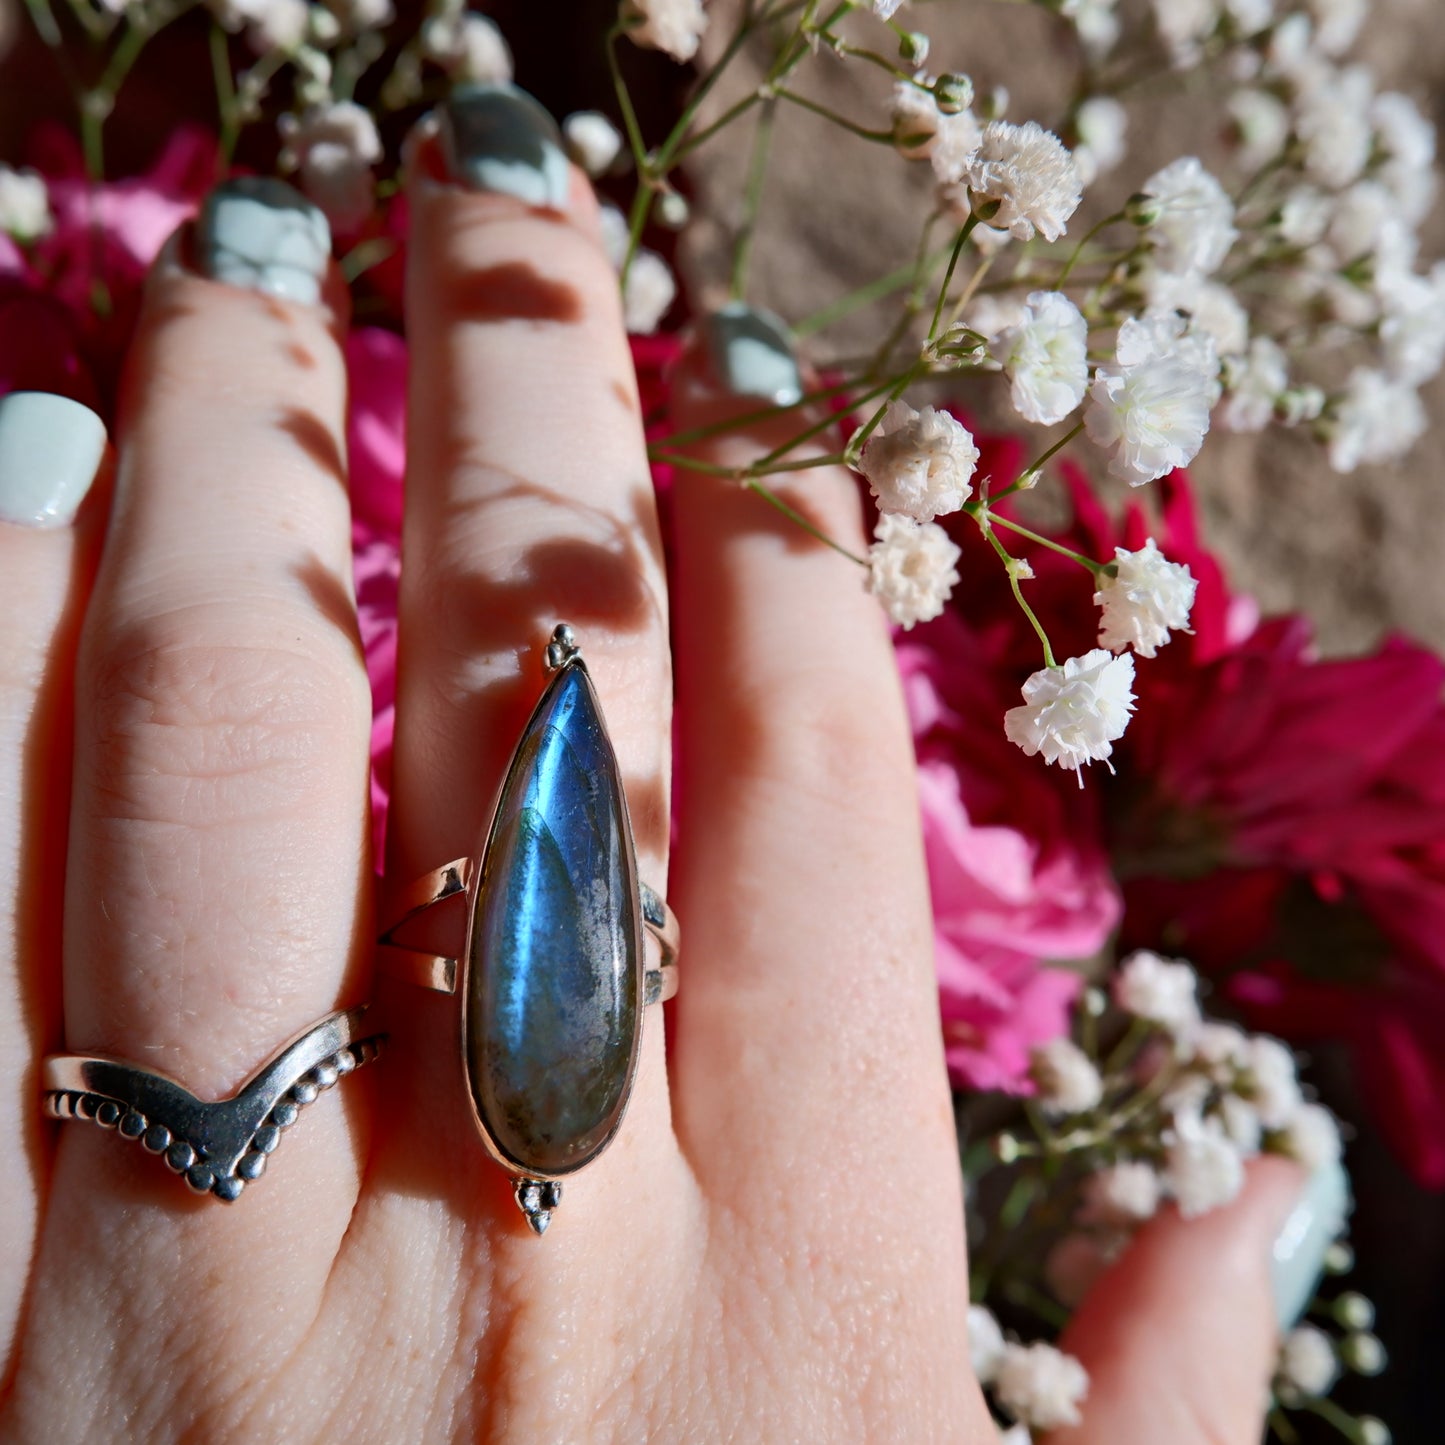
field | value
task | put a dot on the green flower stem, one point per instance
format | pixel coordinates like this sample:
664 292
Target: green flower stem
793 515
1123 1052
673 148
1333 1414
97 104
1033 469
1021 1292
226 108
1013 582
42 17
860 437
748 419
752 200
1096 568
1079 249
959 241
668 159
883 137
856 300
1279 1422
822 425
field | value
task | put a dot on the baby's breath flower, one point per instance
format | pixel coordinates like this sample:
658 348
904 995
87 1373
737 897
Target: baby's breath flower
334 147
1195 227
355 16
1045 355
1100 123
1183 24
919 462
1149 597
1412 331
912 568
1253 386
269 24
1030 174
916 120
1097 24
1015 1435
1312 1136
672 26
992 314
24 205
1122 1195
1307 1361
955 144
1332 119
1273 1086
1203 1168
985 1343
1150 408
1041 1386
1158 989
1261 120
1241 1124
648 293
886 9
1337 23
592 140
469 47
1221 1050
1375 420
1068 1082
1209 307
1073 714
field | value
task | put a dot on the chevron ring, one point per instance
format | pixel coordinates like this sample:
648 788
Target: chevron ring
218 1148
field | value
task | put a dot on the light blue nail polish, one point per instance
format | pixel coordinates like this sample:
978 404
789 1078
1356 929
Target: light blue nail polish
752 354
1299 1251
50 451
497 138
260 233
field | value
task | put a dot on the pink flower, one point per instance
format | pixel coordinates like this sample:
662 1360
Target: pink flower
1016 874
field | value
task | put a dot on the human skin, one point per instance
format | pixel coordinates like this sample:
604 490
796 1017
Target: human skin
773 1246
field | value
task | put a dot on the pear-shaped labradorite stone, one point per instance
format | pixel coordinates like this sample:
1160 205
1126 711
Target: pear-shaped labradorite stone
554 975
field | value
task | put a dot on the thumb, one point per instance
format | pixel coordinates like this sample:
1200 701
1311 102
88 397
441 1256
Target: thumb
1180 1336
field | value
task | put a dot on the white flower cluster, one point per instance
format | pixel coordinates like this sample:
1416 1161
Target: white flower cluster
334 148
1147 597
1074 714
650 288
673 26
919 465
1037 1385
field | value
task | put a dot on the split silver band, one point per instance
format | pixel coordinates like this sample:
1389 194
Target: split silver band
217 1147
440 972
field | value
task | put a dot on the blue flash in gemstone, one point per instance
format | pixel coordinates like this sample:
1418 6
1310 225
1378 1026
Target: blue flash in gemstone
553 996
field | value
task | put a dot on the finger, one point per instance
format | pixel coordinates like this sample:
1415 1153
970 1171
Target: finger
528 503
217 831
807 1032
51 450
1180 1336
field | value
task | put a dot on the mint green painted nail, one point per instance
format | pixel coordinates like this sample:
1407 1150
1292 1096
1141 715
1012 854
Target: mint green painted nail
497 138
752 354
50 451
1299 1252
260 233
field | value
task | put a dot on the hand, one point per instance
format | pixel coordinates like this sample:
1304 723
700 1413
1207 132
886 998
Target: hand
772 1248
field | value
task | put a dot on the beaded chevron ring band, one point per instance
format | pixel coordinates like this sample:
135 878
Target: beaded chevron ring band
220 1147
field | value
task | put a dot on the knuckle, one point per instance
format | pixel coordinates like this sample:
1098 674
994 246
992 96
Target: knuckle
196 724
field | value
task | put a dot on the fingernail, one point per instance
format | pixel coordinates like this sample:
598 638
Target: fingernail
497 138
752 354
50 451
1313 1225
260 233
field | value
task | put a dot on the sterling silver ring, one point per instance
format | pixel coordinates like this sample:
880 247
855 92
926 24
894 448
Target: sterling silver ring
218 1147
552 971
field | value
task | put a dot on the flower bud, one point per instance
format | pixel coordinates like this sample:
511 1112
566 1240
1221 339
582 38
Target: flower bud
913 47
953 93
1339 1258
1354 1311
1364 1354
1143 210
673 212
1370 1431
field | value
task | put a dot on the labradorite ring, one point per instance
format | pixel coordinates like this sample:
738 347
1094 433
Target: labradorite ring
217 1148
552 975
